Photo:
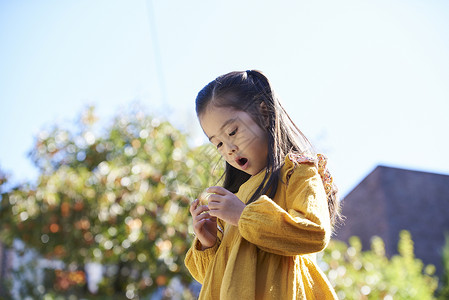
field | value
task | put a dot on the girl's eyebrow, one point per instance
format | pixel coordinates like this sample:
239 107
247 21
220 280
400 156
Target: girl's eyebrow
232 120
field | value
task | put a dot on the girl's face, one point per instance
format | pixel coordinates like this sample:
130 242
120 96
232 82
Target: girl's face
237 137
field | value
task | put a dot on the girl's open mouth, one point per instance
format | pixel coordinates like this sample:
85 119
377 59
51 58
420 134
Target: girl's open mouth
242 162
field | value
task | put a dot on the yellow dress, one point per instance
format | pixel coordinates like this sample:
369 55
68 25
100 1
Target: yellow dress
270 255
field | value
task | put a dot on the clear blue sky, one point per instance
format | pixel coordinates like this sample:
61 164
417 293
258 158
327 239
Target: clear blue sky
367 81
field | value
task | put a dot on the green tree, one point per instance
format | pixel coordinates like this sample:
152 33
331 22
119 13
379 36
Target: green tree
358 274
444 290
119 198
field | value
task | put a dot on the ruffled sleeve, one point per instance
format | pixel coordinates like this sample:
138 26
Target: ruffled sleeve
197 261
297 220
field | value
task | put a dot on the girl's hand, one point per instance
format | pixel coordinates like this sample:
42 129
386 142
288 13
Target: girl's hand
204 225
225 205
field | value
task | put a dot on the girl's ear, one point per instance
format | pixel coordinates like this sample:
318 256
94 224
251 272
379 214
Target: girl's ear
264 113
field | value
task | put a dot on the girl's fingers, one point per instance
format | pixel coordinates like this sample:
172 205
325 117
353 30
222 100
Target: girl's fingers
202 217
216 203
193 206
217 190
201 221
201 209
196 209
213 213
215 198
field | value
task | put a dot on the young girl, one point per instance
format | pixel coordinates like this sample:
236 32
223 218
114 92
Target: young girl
257 236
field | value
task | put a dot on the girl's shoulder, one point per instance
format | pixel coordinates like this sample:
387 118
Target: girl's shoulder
297 163
307 165
296 159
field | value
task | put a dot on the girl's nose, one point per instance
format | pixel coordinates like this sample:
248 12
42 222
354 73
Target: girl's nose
231 148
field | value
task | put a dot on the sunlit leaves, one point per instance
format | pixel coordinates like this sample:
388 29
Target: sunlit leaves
118 196
357 274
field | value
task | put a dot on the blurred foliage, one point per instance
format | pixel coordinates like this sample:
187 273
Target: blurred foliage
119 198
357 274
444 290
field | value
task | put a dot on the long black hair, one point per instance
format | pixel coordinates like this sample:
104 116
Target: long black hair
251 92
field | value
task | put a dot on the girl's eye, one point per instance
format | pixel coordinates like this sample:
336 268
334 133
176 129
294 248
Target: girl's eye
219 145
233 132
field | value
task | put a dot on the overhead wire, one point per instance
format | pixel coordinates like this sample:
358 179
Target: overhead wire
156 51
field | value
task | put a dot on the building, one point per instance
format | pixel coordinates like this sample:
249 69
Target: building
389 200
